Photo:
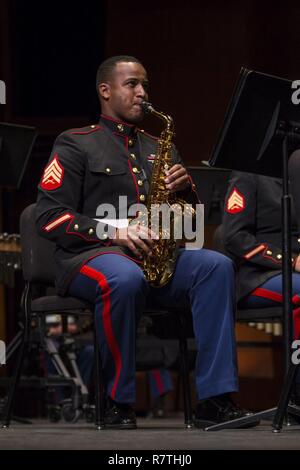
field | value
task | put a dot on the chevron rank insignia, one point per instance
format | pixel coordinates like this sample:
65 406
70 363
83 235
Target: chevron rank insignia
235 202
53 175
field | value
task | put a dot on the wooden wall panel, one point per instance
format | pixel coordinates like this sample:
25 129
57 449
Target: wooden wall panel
194 50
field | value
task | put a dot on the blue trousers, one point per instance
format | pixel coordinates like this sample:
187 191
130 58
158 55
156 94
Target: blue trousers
270 293
160 382
203 280
259 298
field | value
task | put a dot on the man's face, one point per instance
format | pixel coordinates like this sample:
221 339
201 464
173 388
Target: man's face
124 91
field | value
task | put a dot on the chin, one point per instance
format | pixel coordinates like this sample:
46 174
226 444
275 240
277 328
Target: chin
138 117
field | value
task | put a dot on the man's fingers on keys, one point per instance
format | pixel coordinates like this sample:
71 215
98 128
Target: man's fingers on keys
141 244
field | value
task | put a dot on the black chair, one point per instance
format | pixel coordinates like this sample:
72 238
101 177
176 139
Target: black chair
38 271
176 324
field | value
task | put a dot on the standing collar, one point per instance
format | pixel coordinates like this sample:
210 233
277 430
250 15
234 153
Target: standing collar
118 127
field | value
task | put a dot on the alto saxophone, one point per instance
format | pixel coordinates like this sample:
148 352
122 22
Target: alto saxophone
159 267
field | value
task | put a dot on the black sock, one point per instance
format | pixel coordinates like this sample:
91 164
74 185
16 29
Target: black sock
112 403
223 398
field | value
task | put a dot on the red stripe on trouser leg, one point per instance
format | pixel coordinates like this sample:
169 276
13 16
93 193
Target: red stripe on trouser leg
267 294
111 340
296 318
296 299
158 380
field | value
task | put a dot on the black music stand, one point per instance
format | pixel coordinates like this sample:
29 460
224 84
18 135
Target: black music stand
261 129
211 186
16 143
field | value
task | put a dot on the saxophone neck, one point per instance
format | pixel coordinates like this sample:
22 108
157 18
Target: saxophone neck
168 120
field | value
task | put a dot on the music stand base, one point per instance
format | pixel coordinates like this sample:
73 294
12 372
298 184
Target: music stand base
241 422
238 423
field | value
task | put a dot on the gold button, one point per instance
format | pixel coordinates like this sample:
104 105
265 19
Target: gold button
93 126
91 231
279 256
130 142
142 197
133 156
120 127
140 182
107 170
76 227
269 252
136 170
104 236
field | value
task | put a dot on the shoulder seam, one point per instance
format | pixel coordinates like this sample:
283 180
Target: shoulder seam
141 131
81 132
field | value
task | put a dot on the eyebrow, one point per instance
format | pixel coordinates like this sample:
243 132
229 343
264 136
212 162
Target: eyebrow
145 81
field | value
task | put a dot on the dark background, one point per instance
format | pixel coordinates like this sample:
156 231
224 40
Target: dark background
193 51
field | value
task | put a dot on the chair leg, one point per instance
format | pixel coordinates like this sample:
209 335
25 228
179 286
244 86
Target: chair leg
188 415
20 360
99 392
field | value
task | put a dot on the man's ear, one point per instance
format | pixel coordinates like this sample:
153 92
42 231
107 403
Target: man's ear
104 91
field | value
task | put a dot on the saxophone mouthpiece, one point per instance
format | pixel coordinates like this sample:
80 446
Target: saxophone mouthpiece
147 107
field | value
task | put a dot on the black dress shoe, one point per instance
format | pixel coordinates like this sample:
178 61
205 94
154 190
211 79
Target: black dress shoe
218 410
120 416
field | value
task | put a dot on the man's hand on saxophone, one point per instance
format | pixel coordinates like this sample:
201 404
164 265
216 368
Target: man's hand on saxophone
177 178
138 238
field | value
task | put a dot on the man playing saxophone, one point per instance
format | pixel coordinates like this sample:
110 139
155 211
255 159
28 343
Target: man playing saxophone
102 164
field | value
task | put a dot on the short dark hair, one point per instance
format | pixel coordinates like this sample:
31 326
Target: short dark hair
105 69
